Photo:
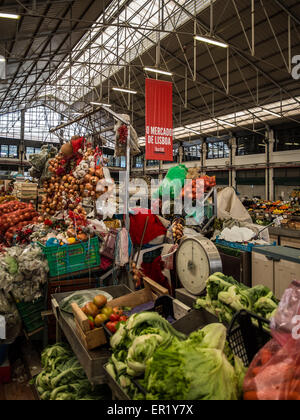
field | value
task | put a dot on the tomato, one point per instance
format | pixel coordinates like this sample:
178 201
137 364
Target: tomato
123 318
112 326
118 311
114 318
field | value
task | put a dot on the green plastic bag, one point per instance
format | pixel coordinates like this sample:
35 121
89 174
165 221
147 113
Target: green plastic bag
173 182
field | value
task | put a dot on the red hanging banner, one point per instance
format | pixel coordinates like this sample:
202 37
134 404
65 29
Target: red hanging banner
159 120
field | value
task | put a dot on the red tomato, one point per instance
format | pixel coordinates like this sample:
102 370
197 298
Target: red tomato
123 318
114 317
112 326
118 311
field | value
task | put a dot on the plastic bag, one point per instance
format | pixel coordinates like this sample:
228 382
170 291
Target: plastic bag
274 373
173 182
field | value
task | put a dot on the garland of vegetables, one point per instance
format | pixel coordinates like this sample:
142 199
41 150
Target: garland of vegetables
76 172
75 175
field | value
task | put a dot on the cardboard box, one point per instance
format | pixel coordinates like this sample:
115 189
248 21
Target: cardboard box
91 339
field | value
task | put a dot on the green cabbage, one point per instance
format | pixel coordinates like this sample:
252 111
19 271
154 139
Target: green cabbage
195 369
225 296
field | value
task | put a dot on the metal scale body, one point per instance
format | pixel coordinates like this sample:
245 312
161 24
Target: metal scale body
197 258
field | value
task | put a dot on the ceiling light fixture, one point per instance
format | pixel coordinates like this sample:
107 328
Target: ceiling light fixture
134 92
158 71
100 104
271 112
9 16
224 123
193 131
211 41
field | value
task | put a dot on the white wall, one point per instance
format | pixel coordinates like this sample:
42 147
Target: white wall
252 191
283 190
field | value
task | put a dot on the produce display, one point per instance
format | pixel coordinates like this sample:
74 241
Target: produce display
177 230
23 272
170 365
77 172
63 378
195 174
225 297
14 216
264 212
99 313
6 198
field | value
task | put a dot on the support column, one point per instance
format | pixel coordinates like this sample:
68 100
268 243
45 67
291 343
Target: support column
203 158
160 169
232 170
22 142
271 169
269 182
180 154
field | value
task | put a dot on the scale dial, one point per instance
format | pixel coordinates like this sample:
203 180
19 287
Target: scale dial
197 258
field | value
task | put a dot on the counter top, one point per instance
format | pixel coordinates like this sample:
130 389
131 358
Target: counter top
289 233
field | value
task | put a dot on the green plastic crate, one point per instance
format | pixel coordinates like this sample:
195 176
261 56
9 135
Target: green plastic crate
71 258
30 314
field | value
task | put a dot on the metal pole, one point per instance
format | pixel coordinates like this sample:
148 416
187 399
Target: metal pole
126 206
22 139
253 26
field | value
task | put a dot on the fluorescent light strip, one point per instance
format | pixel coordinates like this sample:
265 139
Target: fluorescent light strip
9 16
166 73
193 131
271 112
224 123
134 92
2 60
211 41
100 104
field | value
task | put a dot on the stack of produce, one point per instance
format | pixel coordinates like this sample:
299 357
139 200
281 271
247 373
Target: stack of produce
98 313
225 297
193 190
64 379
25 190
172 366
23 271
177 230
195 174
76 174
14 216
6 198
264 212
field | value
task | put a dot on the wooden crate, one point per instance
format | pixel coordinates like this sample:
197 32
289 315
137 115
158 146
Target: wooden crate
92 339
